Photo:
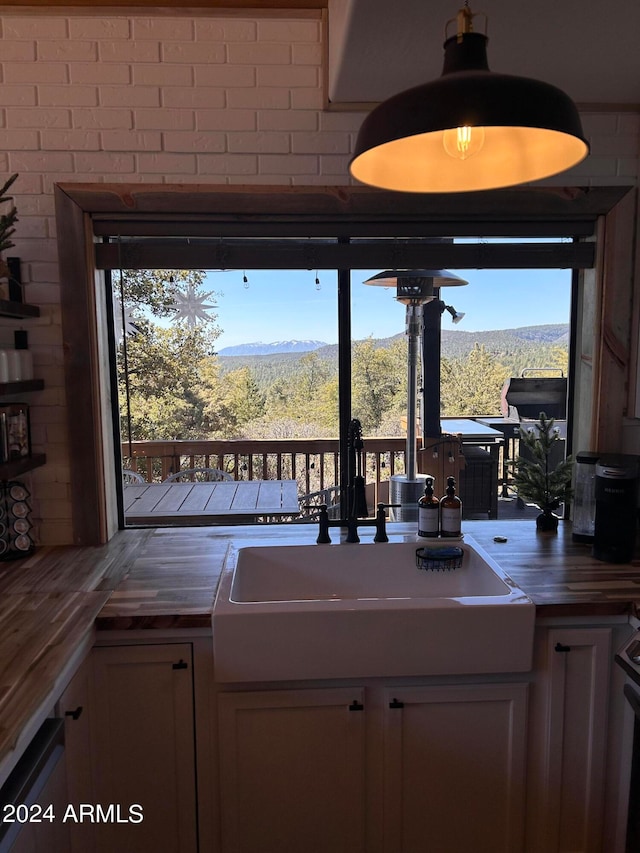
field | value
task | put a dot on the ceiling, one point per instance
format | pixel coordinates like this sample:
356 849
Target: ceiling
376 48
380 47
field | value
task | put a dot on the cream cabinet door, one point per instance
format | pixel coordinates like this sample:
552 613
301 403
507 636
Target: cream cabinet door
455 760
143 748
574 748
74 706
292 774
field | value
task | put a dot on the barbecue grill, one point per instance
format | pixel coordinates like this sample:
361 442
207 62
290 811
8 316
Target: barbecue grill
523 398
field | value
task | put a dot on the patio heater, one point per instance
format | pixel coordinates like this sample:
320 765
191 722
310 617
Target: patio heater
414 288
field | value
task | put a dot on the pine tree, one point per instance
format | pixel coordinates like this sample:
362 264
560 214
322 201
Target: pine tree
7 220
535 479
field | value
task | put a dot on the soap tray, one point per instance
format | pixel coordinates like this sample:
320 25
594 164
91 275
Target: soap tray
443 558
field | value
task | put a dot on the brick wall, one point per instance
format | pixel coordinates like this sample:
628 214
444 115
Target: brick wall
173 99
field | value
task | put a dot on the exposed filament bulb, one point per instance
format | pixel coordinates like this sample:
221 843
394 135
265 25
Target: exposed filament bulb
463 142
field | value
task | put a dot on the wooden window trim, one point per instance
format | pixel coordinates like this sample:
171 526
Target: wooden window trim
216 7
79 206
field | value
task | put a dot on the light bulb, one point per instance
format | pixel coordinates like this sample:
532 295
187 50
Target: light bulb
463 142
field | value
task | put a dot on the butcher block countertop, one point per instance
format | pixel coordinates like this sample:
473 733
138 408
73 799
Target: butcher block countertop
172 579
52 601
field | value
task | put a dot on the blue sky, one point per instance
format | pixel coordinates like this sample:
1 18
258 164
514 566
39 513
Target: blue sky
285 305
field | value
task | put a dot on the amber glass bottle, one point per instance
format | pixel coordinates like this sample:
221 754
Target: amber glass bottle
450 511
428 511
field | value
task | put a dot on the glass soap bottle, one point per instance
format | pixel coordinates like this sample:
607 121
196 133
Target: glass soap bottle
451 511
428 511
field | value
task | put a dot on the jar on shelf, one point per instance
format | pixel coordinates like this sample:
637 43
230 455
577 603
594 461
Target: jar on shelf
15 439
15 526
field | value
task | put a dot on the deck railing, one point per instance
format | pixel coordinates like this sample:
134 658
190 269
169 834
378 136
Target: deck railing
313 462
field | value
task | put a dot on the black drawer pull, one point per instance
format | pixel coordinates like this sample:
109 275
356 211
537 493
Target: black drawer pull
356 706
75 715
396 704
180 665
561 648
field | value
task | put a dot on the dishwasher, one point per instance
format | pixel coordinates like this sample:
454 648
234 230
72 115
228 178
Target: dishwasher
20 810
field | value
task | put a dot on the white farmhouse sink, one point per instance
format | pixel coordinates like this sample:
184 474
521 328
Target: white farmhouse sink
366 610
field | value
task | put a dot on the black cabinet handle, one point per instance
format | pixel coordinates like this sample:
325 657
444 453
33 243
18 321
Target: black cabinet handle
396 704
75 715
561 648
356 706
180 665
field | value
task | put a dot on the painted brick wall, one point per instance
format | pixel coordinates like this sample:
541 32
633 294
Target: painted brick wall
173 99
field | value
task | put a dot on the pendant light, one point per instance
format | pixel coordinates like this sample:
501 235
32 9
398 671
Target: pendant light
471 129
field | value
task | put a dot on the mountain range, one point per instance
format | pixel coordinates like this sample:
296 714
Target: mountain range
260 348
454 342
516 349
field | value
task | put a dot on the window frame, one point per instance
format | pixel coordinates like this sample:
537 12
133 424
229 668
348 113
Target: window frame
85 212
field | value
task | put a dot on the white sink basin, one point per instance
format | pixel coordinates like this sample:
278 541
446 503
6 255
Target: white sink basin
312 573
364 610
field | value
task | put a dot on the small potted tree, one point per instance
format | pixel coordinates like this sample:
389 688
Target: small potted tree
536 479
7 223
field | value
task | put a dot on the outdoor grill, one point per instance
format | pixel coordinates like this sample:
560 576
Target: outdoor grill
525 396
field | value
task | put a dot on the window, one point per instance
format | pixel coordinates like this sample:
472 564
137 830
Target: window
238 371
96 212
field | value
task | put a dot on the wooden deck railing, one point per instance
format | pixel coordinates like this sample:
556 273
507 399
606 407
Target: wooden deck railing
313 462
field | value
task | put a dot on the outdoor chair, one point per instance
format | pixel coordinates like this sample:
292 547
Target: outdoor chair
310 504
129 477
197 475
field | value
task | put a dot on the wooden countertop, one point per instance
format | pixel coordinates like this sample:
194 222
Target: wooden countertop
172 579
49 602
52 601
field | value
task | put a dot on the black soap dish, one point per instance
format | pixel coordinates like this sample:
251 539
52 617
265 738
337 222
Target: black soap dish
439 559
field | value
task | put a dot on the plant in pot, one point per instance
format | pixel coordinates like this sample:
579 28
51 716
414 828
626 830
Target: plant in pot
7 223
536 478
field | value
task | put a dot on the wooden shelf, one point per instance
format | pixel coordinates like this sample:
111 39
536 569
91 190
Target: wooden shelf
10 388
18 309
15 467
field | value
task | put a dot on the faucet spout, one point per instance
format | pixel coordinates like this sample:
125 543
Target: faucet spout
357 498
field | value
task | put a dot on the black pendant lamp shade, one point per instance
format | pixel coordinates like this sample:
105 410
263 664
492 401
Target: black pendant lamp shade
471 129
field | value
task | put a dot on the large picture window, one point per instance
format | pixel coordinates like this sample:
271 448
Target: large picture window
236 375
102 228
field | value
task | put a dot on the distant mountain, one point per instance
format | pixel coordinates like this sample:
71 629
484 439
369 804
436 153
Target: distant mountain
516 349
500 342
260 348
457 343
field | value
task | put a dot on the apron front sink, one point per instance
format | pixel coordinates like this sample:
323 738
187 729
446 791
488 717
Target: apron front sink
367 610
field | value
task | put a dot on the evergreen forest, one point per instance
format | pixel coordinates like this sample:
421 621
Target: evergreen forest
173 385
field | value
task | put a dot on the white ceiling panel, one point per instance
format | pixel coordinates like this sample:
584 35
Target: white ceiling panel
589 49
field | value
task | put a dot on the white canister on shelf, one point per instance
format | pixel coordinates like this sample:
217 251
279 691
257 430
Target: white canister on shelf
24 355
14 365
4 366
